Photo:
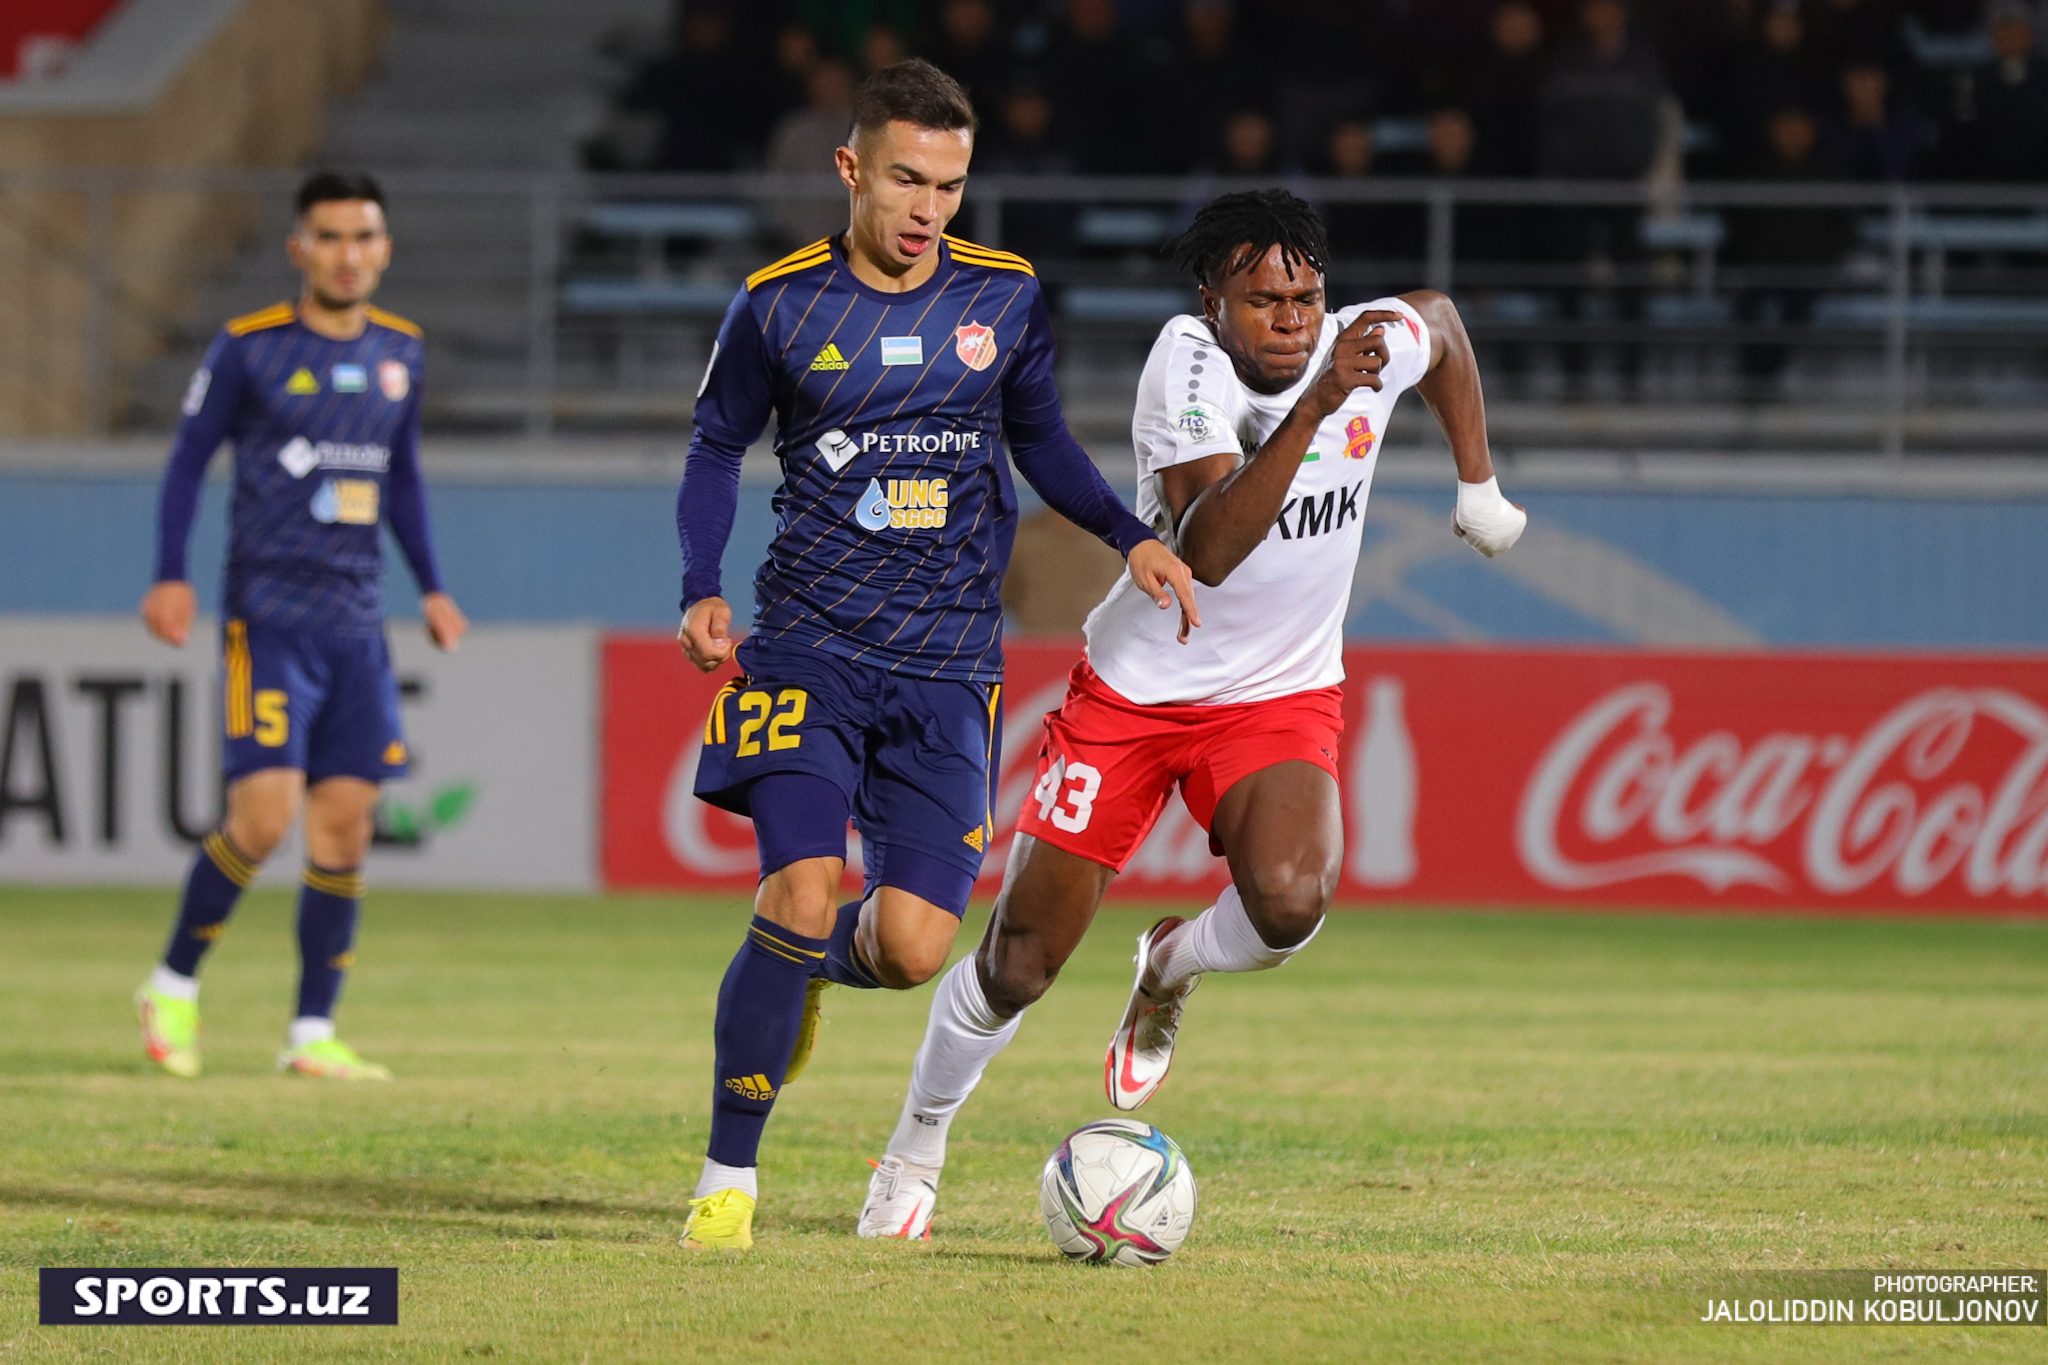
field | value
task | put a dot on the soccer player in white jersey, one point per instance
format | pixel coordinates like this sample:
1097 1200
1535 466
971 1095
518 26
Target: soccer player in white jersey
1257 428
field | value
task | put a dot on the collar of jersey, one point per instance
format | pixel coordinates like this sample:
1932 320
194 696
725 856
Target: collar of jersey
923 291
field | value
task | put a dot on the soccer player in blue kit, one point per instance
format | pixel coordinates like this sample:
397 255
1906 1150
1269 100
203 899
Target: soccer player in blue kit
321 400
893 358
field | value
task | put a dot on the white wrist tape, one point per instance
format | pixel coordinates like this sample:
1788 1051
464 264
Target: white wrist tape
1486 519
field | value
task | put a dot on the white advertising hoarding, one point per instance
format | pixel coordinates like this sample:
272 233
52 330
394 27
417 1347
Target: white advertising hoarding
110 757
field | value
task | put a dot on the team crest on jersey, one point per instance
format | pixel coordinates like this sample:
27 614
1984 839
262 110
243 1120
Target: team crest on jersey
302 383
1358 438
975 345
394 379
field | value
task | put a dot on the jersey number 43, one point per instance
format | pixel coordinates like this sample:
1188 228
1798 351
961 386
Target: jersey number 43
1066 794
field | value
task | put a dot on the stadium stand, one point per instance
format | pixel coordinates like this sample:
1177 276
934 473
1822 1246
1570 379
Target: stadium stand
1686 223
148 86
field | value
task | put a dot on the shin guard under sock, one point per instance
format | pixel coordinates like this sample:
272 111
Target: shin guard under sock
760 1007
328 905
219 873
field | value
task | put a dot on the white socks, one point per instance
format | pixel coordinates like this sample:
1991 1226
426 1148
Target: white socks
963 1036
164 981
717 1177
1220 939
309 1030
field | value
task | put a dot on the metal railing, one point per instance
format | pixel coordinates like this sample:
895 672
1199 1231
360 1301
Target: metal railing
534 276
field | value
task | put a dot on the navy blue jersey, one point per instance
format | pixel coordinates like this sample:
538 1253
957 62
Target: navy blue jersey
896 510
326 441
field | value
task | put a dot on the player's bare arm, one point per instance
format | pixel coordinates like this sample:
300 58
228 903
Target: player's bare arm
1268 318
1484 519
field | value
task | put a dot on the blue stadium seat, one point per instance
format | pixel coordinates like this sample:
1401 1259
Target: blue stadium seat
1118 303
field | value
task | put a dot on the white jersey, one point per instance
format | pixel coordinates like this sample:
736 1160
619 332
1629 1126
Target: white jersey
1275 626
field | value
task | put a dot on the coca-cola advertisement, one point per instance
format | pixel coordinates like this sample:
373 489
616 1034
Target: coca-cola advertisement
1751 780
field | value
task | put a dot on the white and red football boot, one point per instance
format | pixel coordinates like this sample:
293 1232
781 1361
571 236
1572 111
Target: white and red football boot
1142 1049
901 1197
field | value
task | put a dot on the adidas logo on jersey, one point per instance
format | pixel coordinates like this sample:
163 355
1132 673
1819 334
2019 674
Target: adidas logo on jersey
302 382
754 1087
975 839
830 359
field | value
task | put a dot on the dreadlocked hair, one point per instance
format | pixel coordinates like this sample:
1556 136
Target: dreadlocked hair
1233 232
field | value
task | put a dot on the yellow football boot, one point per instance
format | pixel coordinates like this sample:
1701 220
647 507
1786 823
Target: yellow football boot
170 1031
722 1221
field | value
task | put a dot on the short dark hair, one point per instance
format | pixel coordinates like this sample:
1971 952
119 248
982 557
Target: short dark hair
327 187
912 91
1235 231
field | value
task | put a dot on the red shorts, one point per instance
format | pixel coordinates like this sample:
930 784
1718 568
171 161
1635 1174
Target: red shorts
1108 764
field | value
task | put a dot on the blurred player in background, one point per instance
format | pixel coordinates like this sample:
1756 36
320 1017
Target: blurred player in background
321 400
894 359
1257 429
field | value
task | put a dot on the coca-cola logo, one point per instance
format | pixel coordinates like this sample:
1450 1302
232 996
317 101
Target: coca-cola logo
1948 784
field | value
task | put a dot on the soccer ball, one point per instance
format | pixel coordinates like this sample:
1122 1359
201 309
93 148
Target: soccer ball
1117 1190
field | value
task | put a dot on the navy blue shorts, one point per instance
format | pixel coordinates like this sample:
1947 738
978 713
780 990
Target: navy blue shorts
915 757
323 703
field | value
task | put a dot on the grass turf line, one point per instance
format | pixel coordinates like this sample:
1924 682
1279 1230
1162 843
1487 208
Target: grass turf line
1433 1137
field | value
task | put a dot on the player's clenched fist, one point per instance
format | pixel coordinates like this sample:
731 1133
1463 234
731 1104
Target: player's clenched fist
706 634
1355 361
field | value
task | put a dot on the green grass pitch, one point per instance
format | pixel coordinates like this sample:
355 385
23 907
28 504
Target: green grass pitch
1433 1137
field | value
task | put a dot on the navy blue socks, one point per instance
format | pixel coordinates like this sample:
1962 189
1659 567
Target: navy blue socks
328 905
842 960
760 1007
215 883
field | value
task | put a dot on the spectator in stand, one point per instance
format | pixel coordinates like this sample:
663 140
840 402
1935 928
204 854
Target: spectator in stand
1452 140
2001 130
843 26
1817 238
1362 229
1187 116
1601 118
1773 72
1844 33
1091 70
1249 145
1872 136
882 46
969 48
696 87
796 52
803 144
1022 143
1480 232
1506 82
1327 57
1701 42
1600 100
